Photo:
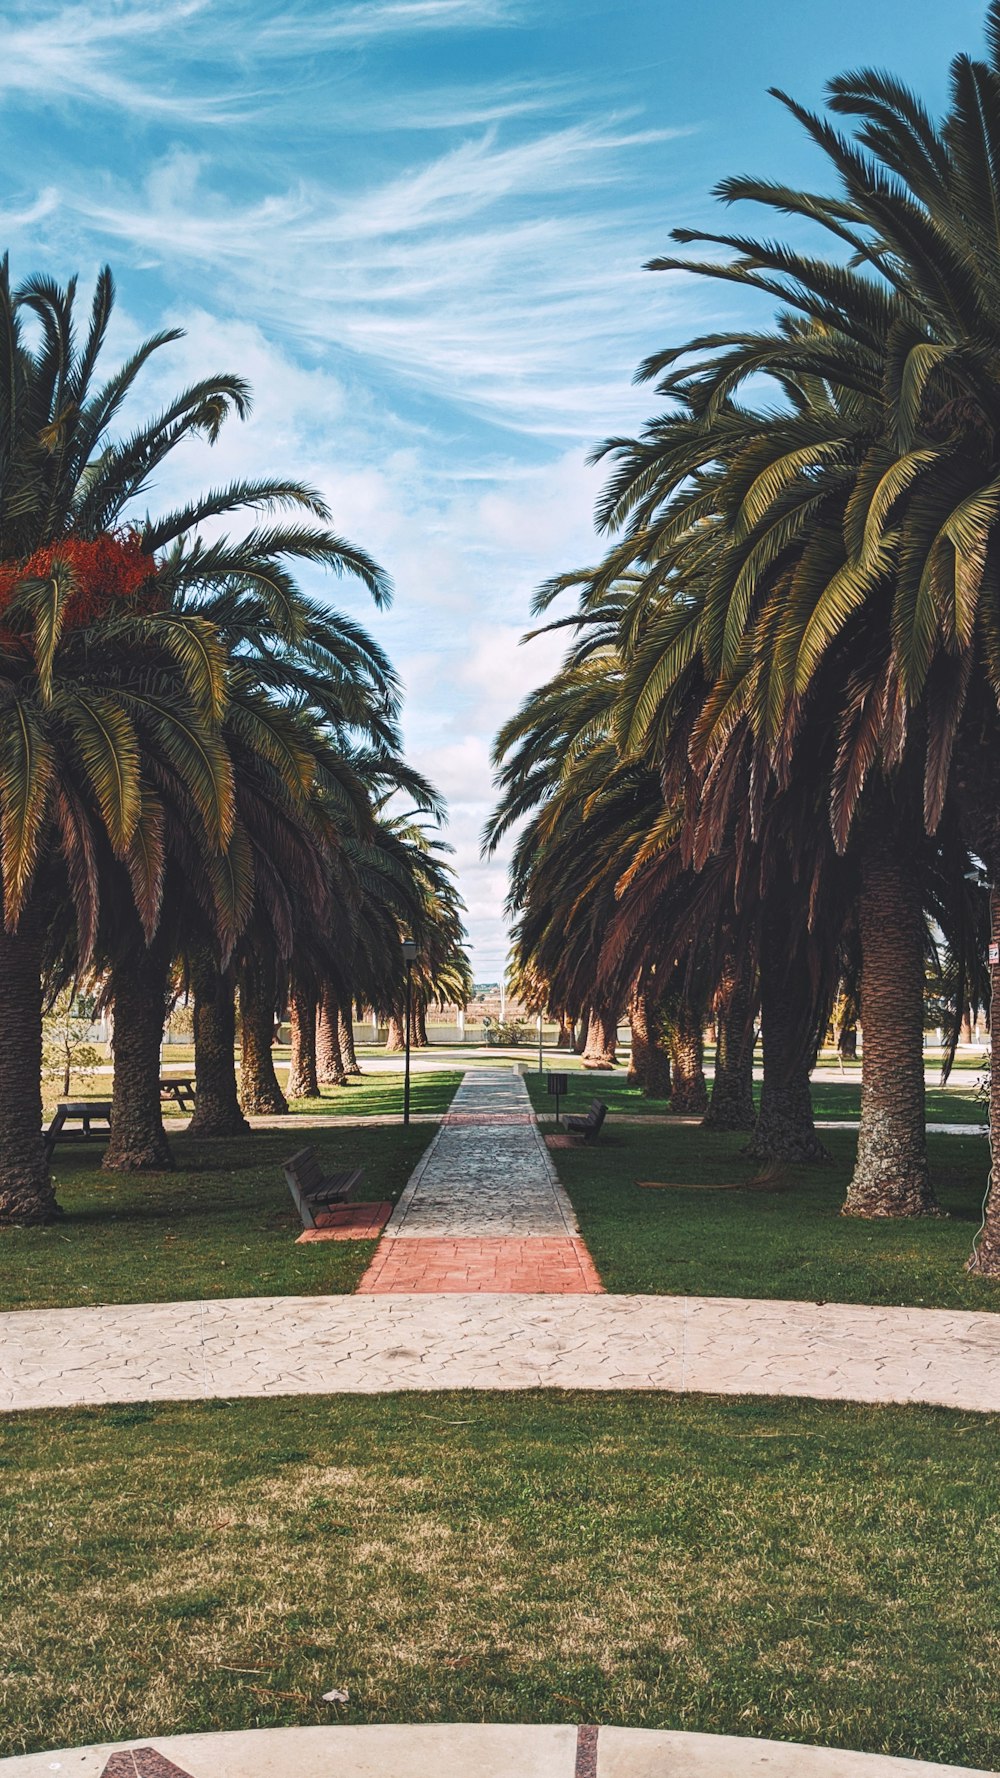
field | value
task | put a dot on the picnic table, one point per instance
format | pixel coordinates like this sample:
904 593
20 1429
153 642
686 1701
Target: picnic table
85 1112
180 1087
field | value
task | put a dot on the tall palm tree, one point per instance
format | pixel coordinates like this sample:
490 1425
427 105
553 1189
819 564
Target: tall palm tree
910 324
108 679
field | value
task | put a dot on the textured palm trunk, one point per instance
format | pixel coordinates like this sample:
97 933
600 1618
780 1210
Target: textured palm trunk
891 1172
847 1043
784 1130
650 1066
985 1255
638 1020
217 1108
689 1092
602 1039
27 1194
731 1106
303 1081
138 1141
329 1059
581 1033
260 1093
395 1040
418 1034
346 1031
565 1039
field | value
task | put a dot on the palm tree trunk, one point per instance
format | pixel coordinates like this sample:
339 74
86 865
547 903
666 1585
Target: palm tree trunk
395 1041
260 1094
138 1140
785 1130
303 1080
689 1094
732 1106
891 1172
329 1060
985 1255
27 1194
638 1020
650 1067
847 1043
581 1033
346 1033
602 1039
565 1039
217 1107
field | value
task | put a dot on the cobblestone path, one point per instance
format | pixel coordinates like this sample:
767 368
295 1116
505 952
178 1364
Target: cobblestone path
484 1210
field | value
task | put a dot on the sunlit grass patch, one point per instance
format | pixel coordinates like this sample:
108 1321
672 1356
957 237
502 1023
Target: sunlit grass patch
221 1224
803 1570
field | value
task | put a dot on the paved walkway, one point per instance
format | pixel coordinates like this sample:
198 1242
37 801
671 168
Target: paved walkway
453 1750
484 1209
377 1344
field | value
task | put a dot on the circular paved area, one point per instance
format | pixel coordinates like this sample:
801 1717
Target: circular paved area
454 1750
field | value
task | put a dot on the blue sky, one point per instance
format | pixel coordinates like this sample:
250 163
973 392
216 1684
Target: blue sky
418 226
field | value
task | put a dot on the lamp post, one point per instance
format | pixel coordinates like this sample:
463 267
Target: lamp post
409 952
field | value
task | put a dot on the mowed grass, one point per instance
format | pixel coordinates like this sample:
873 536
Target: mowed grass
777 1235
808 1571
831 1099
222 1224
380 1095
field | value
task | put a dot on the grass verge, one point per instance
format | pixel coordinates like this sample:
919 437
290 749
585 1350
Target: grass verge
801 1570
831 1099
222 1224
381 1095
778 1236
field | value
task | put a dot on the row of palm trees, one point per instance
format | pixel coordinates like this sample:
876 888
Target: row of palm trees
767 770
200 764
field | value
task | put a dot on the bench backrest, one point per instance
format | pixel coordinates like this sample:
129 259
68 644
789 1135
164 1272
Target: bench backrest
302 1176
597 1113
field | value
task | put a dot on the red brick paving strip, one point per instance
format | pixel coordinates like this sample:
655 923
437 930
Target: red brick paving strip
349 1222
586 1751
141 1762
488 1117
551 1265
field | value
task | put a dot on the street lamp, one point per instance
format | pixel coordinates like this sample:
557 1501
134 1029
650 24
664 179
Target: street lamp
409 952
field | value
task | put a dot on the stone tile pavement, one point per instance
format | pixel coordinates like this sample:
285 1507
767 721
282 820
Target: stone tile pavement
454 1750
376 1344
484 1209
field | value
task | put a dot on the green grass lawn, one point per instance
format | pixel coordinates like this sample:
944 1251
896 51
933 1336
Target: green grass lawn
775 1237
831 1099
223 1224
380 1095
802 1570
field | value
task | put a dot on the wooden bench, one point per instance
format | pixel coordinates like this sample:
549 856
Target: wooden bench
180 1087
589 1126
85 1112
311 1191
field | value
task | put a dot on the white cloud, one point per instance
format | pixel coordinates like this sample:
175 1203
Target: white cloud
491 275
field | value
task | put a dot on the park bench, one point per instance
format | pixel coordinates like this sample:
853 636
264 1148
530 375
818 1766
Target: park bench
84 1112
180 1087
311 1191
589 1126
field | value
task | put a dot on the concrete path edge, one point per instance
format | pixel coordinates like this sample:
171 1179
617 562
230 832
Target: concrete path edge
491 1750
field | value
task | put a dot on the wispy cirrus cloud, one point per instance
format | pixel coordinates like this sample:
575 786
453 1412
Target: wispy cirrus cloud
496 274
219 63
379 20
